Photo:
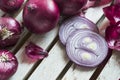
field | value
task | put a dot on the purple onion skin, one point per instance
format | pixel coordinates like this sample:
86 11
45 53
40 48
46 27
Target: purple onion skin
35 52
8 64
112 13
112 35
40 16
70 7
9 26
80 52
10 6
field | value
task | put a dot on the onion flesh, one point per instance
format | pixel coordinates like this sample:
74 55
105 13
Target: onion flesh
75 23
40 16
10 6
10 31
86 48
8 64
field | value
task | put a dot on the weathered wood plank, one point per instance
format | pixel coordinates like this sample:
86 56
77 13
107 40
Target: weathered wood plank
112 69
52 65
24 64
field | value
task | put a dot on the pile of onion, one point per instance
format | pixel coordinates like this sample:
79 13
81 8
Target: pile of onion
10 6
10 31
84 46
40 16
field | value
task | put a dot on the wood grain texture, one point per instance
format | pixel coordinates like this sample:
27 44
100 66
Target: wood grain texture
112 69
25 64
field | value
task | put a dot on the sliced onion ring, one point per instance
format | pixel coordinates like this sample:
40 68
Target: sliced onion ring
86 48
74 24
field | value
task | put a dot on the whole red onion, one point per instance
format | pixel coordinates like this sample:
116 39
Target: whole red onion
40 16
86 48
8 64
70 7
10 5
10 31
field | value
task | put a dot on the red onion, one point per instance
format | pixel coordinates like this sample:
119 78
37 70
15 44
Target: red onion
8 64
40 16
117 1
35 52
113 37
10 5
112 13
86 48
70 7
73 24
10 31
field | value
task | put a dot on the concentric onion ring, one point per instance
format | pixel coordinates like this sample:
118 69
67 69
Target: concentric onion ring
86 48
74 24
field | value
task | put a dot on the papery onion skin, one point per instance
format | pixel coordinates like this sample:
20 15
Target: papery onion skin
75 48
70 7
112 35
74 23
35 52
112 13
8 64
10 6
10 31
95 3
40 16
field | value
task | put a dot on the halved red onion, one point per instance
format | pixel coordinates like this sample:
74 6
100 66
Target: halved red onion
86 48
35 52
10 31
74 24
112 35
8 64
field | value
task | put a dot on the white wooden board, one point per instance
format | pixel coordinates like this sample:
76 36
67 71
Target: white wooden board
112 70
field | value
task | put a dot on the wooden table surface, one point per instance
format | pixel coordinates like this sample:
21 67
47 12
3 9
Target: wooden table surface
57 65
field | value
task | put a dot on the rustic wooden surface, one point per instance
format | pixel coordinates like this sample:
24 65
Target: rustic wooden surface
57 65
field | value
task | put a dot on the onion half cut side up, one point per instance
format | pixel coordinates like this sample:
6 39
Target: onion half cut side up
86 48
73 24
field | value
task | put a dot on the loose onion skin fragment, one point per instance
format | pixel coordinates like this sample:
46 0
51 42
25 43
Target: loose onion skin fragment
73 24
35 52
10 6
10 31
8 64
112 35
112 13
86 48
